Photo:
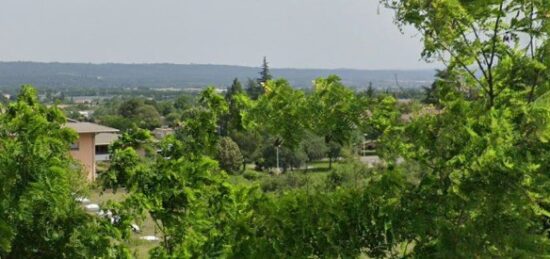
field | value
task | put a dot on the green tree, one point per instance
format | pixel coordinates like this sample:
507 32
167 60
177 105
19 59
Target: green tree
265 74
370 91
382 115
345 223
233 119
289 159
173 119
250 143
200 128
213 101
473 165
314 147
431 92
235 88
197 211
446 85
282 112
229 155
481 190
39 217
253 89
135 111
482 41
334 111
116 121
165 107
199 131
147 117
334 151
183 102
129 107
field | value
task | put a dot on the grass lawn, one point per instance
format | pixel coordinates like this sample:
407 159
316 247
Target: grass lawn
140 248
314 174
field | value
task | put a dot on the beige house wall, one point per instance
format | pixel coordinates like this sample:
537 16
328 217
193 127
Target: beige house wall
86 153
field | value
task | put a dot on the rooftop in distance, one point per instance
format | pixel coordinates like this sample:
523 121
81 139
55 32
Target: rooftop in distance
88 127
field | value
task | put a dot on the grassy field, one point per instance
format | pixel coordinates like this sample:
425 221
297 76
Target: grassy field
140 248
316 173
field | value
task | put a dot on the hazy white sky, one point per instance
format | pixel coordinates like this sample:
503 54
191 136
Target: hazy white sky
291 33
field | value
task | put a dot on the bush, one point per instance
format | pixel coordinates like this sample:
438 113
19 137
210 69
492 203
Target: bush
251 175
283 182
229 155
349 174
345 223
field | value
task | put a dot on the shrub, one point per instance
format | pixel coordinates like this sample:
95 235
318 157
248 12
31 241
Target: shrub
251 175
283 182
349 174
229 155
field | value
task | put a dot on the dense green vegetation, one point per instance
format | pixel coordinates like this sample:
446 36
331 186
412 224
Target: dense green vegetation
39 217
465 173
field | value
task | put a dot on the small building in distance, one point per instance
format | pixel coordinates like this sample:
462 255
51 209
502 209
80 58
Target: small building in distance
84 149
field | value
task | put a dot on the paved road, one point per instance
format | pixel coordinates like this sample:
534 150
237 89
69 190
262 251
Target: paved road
373 160
370 160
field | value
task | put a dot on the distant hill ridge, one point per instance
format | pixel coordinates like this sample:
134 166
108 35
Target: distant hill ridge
63 75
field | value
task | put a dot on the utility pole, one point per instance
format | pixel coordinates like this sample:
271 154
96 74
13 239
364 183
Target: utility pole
278 168
277 143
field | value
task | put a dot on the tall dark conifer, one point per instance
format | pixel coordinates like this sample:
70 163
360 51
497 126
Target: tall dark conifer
235 88
265 75
370 91
255 88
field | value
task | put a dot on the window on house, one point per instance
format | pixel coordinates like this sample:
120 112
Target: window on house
102 149
75 146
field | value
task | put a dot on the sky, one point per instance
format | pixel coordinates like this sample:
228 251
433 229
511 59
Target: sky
291 33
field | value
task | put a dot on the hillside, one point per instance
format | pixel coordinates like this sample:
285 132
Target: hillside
62 75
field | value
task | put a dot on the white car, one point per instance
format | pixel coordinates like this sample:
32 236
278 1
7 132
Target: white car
92 207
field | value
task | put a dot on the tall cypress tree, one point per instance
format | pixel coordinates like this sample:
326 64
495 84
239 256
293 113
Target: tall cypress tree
235 88
370 91
265 75
255 88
